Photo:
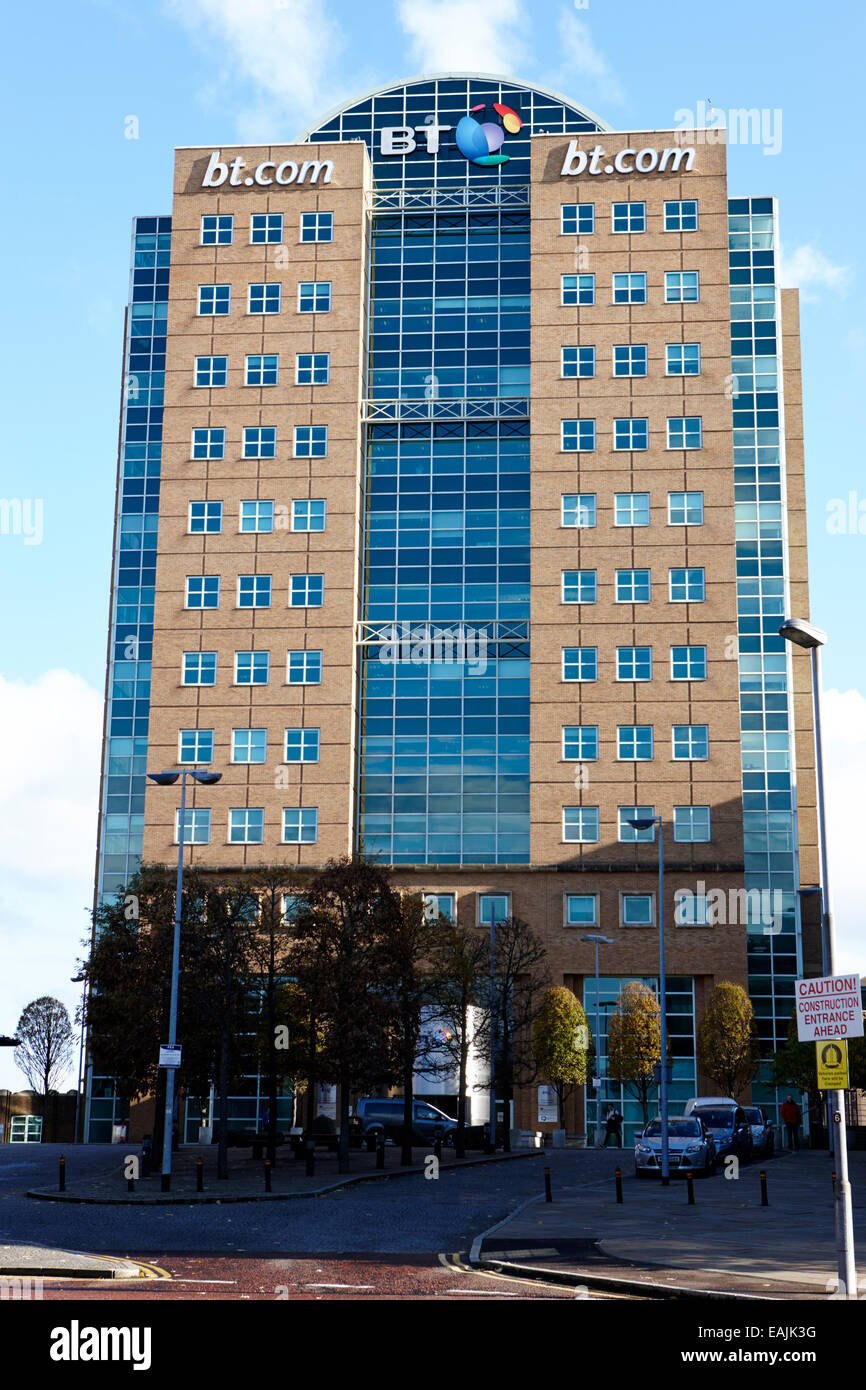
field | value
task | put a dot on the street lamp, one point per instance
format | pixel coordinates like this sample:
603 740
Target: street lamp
168 779
803 634
645 823
78 980
599 941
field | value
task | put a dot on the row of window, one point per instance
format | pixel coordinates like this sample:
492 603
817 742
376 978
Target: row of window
265 228
249 745
679 216
246 825
580 824
580 509
255 590
252 668
632 359
631 434
314 297
307 514
260 442
686 585
578 909
634 743
263 369
628 287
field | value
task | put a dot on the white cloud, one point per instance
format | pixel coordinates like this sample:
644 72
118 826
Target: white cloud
287 49
580 58
458 36
48 807
843 722
808 270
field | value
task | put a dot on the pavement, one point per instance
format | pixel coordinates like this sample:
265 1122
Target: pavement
41 1261
726 1245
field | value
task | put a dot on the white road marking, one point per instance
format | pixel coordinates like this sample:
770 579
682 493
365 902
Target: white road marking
341 1286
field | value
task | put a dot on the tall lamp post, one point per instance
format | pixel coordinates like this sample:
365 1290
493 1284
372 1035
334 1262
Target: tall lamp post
78 980
803 634
644 823
599 941
168 779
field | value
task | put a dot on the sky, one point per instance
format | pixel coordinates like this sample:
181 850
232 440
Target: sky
101 91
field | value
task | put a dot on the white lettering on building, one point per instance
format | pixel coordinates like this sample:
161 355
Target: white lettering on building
220 171
400 139
627 161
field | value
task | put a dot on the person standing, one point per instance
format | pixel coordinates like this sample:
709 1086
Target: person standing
613 1127
791 1118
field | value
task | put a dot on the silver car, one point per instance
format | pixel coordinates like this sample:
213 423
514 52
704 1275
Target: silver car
690 1146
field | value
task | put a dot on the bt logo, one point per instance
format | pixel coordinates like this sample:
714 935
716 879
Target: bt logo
479 140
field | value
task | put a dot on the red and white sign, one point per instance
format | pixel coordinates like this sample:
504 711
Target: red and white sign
829 1007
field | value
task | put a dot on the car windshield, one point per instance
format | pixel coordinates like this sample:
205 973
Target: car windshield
677 1129
755 1117
717 1119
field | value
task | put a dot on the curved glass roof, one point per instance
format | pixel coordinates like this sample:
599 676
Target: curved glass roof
444 99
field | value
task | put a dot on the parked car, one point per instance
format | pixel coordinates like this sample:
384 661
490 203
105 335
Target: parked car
375 1115
728 1125
690 1146
763 1134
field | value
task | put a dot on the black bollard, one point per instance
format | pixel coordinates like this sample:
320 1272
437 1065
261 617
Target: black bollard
690 1185
130 1184
833 1180
165 1182
146 1154
548 1195
437 1142
311 1158
199 1175
267 1175
380 1151
765 1201
61 1185
618 1176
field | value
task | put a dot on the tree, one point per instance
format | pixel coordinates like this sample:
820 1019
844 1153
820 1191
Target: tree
561 1043
409 943
459 992
520 980
634 1042
728 1051
46 1046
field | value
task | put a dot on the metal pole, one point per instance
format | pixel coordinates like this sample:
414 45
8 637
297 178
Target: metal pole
597 1054
80 1065
844 1216
492 1031
172 1014
663 1003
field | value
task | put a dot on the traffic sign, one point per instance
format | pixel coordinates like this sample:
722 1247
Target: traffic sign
169 1054
829 1007
832 1060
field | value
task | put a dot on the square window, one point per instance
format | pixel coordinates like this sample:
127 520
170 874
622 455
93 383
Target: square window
686 508
266 227
308 514
252 668
196 826
195 746
580 825
634 743
199 668
687 586
493 907
580 743
254 590
312 368
249 745
577 218
302 746
578 289
214 300
580 909
629 217
262 370
203 591
637 909
317 226
246 825
631 509
304 668
691 743
629 288
580 663
634 663
578 509
260 442
217 231
578 434
683 359
205 517
681 287
688 663
300 825
209 444
681 216
630 359
684 432
314 297
211 371
306 590
264 299
631 434
257 516
633 586
311 441
578 361
579 586
628 833
692 824
438 905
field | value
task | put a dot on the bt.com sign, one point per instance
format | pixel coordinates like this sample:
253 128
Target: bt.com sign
628 161
269 172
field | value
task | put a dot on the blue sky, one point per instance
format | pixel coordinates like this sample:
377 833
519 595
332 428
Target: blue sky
224 71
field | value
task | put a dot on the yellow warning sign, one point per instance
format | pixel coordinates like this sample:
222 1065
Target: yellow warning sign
832 1065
